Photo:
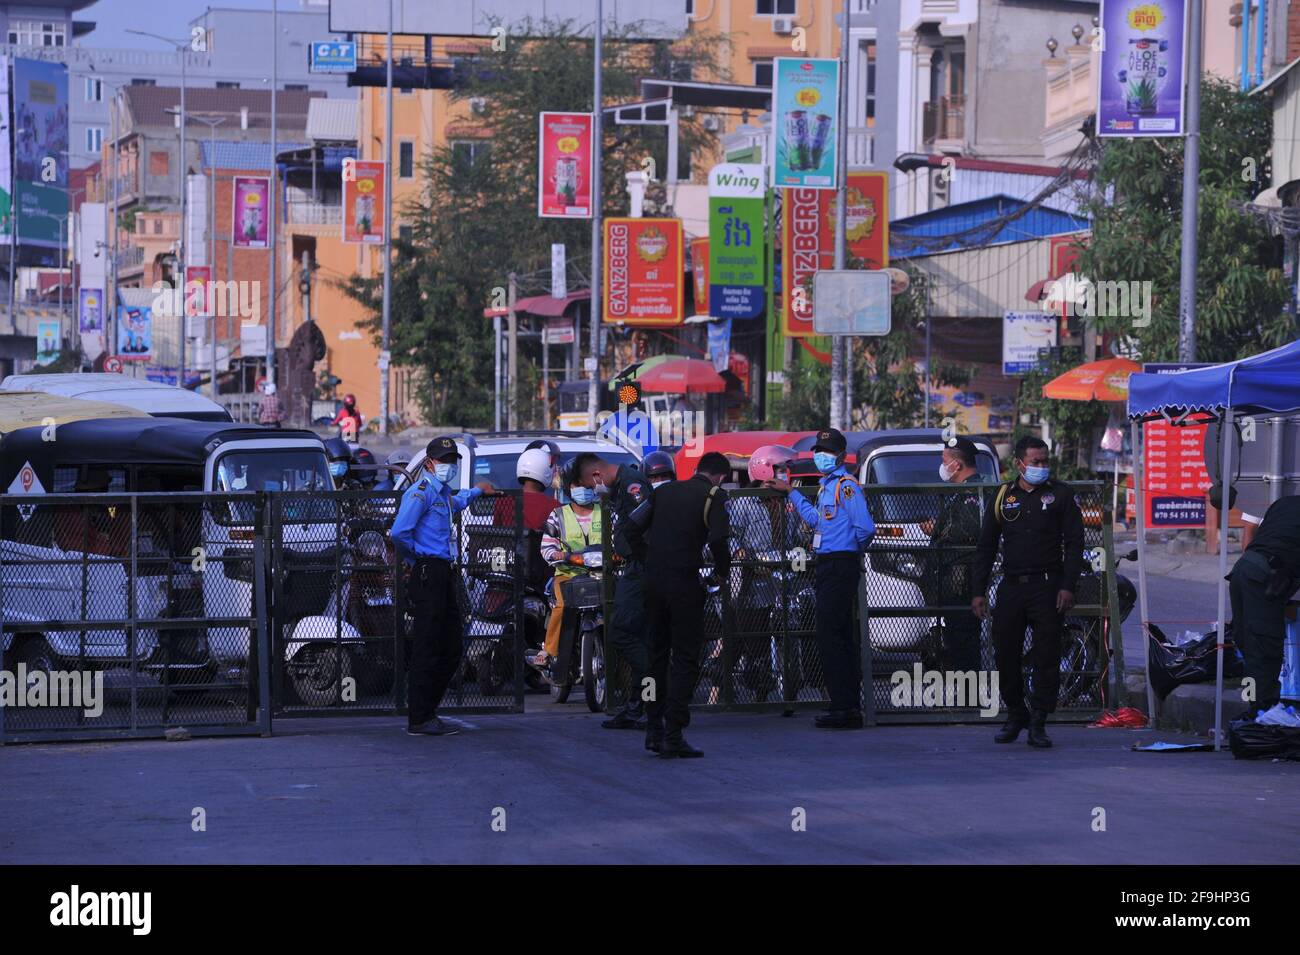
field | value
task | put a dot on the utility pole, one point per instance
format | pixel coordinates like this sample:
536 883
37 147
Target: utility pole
597 223
275 148
13 218
839 343
1191 176
210 300
512 355
388 233
304 286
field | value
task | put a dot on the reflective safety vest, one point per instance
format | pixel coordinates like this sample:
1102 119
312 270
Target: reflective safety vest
574 539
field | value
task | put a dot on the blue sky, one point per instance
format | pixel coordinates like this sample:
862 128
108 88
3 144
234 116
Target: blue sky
112 18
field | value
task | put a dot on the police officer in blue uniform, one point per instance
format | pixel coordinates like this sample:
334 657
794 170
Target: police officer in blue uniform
842 531
422 532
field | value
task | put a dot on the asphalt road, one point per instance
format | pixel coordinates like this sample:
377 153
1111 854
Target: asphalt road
362 791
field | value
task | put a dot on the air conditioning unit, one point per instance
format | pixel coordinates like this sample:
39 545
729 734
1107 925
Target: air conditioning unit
783 25
478 105
712 123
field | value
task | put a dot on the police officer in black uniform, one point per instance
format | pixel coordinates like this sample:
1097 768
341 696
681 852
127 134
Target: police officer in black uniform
687 515
1038 522
627 493
953 536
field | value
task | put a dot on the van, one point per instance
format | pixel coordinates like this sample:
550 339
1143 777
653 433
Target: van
150 397
73 563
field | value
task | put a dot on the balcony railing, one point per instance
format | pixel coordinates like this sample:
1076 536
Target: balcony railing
129 258
313 213
944 119
862 146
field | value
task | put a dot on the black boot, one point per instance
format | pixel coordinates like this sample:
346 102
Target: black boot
839 720
654 734
1017 720
674 746
1038 731
631 716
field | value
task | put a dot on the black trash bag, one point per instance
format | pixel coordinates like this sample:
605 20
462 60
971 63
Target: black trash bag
1194 662
1250 740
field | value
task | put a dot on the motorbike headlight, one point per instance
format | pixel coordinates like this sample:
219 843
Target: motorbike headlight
370 545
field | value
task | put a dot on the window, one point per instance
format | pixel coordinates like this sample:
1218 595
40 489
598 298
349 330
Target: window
405 160
869 93
227 85
763 73
37 33
94 90
469 151
404 233
142 81
159 163
690 8
767 8
294 86
94 138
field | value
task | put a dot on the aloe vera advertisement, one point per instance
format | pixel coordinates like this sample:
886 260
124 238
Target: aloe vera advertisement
1141 89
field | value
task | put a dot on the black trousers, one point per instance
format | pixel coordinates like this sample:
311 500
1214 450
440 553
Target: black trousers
437 636
1030 604
627 628
674 603
837 637
961 629
1258 626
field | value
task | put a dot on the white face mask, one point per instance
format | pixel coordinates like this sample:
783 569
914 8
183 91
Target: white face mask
944 474
657 483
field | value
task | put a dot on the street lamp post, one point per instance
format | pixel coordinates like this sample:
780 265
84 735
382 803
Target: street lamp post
212 122
181 47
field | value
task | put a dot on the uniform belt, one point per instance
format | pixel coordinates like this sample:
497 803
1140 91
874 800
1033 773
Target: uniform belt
837 554
428 558
1029 578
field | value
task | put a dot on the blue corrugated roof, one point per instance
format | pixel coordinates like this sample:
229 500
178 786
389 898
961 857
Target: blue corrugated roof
981 222
242 155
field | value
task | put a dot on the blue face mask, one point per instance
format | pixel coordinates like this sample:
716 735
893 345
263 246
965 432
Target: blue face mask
446 473
1037 475
582 496
338 468
824 461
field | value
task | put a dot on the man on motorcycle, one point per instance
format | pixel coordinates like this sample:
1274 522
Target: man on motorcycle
569 531
536 475
348 418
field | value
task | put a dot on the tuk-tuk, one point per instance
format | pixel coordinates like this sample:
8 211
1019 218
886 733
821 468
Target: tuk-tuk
151 397
35 409
69 562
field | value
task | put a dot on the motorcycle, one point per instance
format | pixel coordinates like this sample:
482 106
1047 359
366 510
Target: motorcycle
1085 648
581 656
494 667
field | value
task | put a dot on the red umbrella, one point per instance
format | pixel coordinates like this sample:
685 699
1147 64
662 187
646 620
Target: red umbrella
681 376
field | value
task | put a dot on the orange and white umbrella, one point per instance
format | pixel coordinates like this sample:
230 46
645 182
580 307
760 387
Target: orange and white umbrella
1105 380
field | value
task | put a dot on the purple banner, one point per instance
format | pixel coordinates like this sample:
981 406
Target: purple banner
91 310
251 210
1142 56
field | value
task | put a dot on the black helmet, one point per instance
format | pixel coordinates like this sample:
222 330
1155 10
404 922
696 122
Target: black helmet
368 472
340 457
658 464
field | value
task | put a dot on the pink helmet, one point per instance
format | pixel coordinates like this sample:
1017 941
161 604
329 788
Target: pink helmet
764 462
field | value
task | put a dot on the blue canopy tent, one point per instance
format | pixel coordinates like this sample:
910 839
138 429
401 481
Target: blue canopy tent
1268 383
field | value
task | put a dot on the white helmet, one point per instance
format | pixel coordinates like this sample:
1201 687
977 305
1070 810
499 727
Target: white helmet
535 463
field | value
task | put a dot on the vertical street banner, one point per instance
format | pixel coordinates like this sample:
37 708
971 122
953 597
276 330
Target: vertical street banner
737 241
1142 68
251 210
700 274
645 280
720 344
1174 477
363 203
90 310
47 342
808 241
40 128
565 150
134 333
197 278
805 101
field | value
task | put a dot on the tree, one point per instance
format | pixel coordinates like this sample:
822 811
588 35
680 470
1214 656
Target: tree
475 220
1137 223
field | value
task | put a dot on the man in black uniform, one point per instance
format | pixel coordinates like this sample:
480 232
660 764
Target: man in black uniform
1262 581
1038 522
687 515
954 535
627 492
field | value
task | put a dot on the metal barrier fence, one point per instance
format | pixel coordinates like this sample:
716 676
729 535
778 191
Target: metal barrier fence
913 612
123 615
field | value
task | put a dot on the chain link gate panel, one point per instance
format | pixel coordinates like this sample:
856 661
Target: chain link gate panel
760 649
140 595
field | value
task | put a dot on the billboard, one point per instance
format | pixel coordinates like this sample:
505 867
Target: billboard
90 309
1024 336
641 21
805 101
134 332
1142 55
808 240
333 56
251 212
644 281
363 203
1174 477
564 157
40 128
47 342
737 241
